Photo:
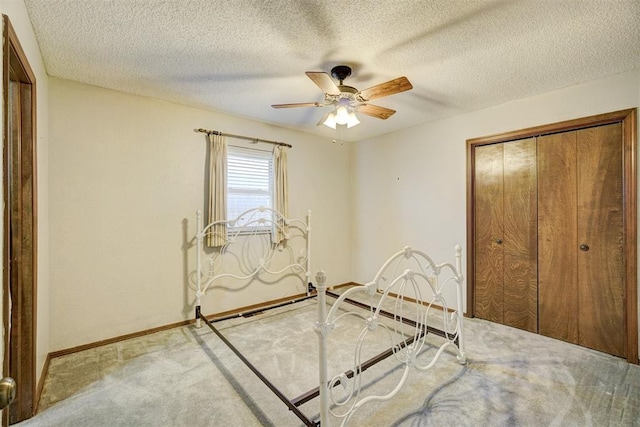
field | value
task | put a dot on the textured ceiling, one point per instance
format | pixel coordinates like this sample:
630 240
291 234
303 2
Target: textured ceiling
241 56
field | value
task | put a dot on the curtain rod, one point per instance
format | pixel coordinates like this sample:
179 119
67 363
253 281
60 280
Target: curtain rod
254 140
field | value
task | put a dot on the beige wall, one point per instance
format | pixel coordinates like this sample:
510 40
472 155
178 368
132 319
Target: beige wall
410 186
17 14
126 176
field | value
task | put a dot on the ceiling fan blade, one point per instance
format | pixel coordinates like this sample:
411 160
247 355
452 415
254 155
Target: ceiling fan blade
324 82
385 89
375 111
300 104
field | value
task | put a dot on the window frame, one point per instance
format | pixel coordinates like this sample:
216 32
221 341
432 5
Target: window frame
252 157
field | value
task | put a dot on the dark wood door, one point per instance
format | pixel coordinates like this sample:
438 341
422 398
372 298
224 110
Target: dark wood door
505 239
489 226
557 236
580 238
20 226
587 195
22 267
601 313
520 240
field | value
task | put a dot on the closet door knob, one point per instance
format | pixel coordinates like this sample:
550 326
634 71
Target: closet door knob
7 391
499 241
584 247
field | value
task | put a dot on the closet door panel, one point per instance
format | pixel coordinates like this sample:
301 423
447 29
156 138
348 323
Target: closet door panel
600 266
520 235
488 231
557 237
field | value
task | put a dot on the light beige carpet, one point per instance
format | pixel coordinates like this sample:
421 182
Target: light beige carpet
186 376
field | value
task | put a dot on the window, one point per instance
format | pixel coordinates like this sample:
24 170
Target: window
249 180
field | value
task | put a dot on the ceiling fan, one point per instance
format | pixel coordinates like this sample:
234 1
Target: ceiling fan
348 99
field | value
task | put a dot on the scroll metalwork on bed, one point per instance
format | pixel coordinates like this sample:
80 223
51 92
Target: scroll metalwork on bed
406 302
261 244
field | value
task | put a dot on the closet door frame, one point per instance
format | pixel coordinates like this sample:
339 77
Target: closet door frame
629 204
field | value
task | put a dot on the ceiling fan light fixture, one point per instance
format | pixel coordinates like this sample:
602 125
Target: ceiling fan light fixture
330 121
341 116
352 120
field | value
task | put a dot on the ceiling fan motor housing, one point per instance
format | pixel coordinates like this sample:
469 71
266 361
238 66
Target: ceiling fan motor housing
340 72
347 93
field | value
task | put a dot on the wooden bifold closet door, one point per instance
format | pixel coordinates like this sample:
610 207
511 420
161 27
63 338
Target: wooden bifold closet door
580 220
553 232
506 234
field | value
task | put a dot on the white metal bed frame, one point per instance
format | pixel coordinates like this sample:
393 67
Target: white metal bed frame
405 279
253 230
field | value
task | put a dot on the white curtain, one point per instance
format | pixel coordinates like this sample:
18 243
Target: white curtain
281 193
217 235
